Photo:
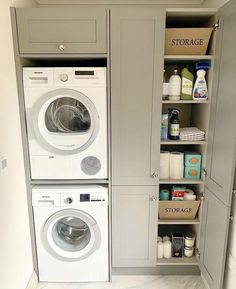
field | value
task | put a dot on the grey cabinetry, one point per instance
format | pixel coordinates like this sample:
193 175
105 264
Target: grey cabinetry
134 227
61 30
214 232
222 138
137 44
221 154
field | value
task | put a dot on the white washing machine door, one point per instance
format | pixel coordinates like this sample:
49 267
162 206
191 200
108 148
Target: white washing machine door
71 235
65 121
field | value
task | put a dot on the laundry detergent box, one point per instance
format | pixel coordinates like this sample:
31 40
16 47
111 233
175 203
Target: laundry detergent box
192 159
192 172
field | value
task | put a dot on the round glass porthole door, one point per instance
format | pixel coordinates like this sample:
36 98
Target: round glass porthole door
65 121
71 234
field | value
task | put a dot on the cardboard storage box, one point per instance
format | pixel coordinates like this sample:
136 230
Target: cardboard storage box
178 209
188 41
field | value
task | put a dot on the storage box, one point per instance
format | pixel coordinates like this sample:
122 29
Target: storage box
192 172
188 41
192 159
178 209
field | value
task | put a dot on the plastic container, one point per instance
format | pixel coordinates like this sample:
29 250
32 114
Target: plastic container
174 86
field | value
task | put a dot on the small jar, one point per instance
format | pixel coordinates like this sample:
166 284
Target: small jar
189 239
160 250
167 250
159 239
166 238
188 251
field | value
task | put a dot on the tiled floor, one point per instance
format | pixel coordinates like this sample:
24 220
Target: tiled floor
135 282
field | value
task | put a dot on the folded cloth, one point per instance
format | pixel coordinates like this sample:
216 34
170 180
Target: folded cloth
191 134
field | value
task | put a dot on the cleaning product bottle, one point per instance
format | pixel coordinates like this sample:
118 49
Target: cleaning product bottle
174 124
165 91
200 91
174 86
187 84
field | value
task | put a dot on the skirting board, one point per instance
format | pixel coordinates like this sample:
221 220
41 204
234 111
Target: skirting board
33 282
205 282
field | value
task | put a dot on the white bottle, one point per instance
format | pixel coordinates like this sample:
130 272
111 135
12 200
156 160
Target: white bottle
174 86
165 87
200 88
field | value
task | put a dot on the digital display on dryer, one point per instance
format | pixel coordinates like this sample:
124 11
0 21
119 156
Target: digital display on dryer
84 197
81 72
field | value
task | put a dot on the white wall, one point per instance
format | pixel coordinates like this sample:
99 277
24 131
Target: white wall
16 264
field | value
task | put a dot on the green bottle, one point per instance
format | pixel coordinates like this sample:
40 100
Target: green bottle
187 84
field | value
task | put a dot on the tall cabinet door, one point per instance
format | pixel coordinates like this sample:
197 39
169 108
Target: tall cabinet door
221 154
222 137
137 49
134 228
214 235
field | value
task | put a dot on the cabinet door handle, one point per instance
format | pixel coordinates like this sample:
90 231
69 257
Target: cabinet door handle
153 198
154 175
61 47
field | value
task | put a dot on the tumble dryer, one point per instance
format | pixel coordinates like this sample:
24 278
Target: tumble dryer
66 115
71 228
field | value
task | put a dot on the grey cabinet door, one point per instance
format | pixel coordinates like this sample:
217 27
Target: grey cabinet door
214 232
222 136
44 30
134 226
137 49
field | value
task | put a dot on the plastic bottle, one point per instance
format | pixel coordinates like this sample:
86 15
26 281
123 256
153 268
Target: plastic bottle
187 84
174 124
200 88
174 86
165 91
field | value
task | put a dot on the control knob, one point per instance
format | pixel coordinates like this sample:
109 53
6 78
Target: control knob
64 77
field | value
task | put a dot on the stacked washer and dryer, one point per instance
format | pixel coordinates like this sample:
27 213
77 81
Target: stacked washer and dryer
66 118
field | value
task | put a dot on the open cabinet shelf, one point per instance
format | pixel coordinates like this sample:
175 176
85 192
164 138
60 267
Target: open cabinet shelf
178 261
178 221
188 57
181 181
185 101
182 142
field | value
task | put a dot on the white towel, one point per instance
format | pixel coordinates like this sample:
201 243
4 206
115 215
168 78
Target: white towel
191 134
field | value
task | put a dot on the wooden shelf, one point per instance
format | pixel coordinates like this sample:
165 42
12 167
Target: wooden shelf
188 57
178 222
182 142
178 261
186 101
181 181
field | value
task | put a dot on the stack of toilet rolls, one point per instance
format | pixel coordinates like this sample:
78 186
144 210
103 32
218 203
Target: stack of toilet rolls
171 165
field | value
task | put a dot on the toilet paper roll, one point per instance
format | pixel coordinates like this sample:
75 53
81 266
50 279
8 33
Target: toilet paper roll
165 158
190 192
164 172
176 165
188 197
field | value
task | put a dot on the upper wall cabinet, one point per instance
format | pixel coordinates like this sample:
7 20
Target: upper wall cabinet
137 48
61 30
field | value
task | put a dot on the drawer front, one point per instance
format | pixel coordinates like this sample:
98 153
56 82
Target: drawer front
61 30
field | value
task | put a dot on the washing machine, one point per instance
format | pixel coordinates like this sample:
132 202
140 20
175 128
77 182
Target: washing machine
71 228
66 117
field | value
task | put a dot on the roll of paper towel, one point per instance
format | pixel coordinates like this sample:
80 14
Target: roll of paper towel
176 165
164 165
